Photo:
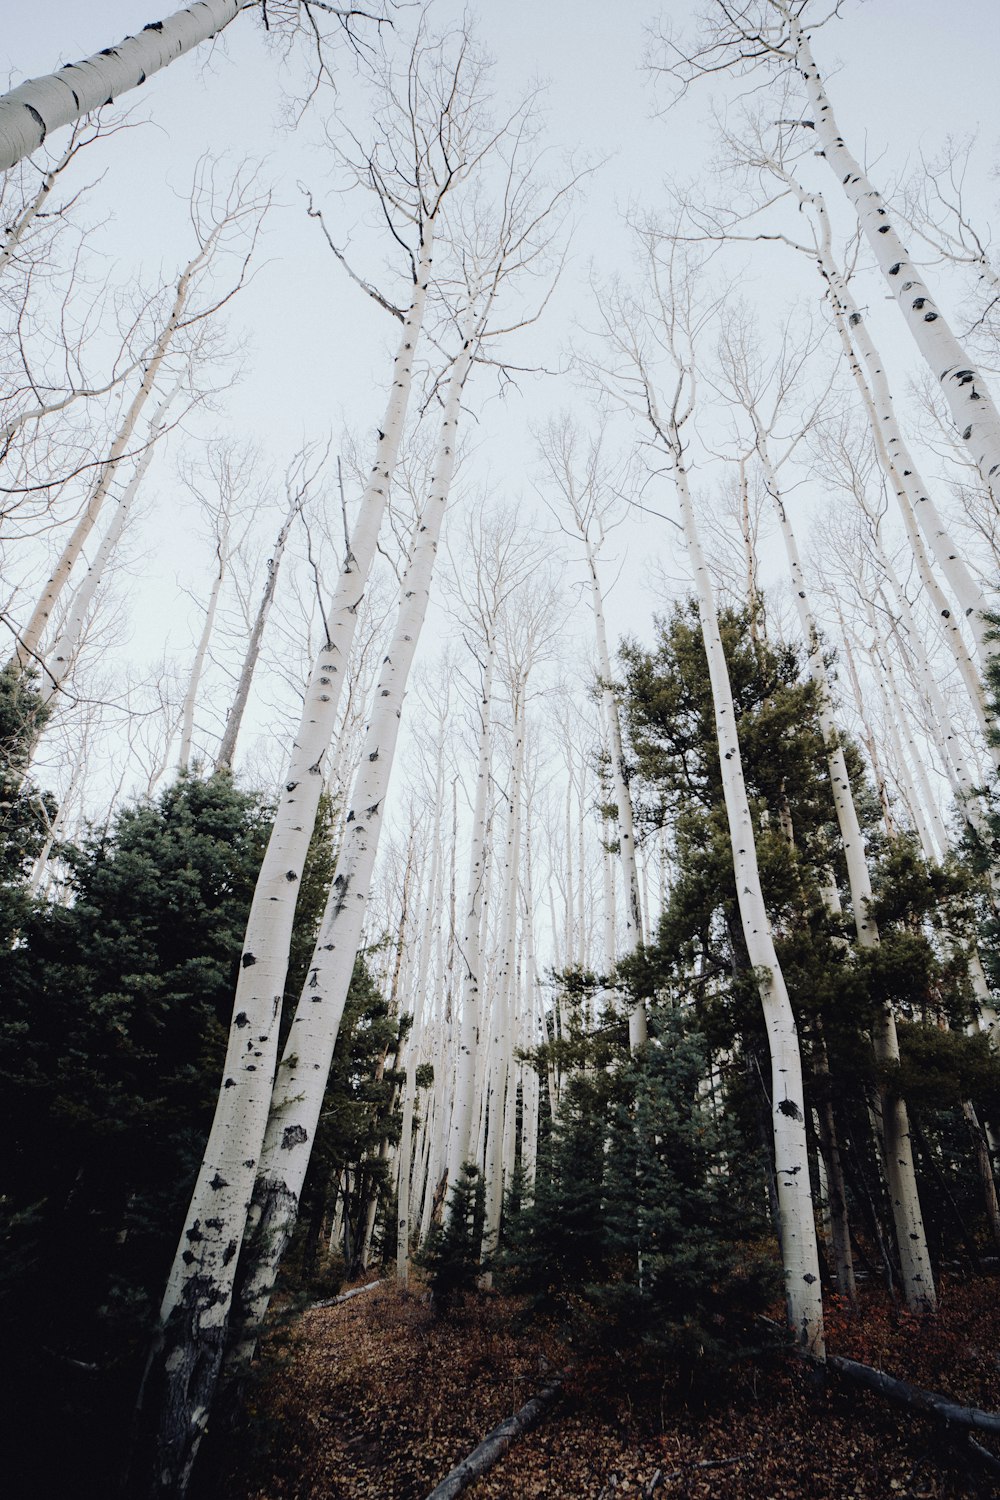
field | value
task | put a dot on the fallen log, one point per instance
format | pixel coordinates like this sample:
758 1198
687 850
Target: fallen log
355 1291
928 1403
495 1445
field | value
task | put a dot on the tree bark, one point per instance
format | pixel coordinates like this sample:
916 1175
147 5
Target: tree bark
196 1304
301 1079
31 111
227 748
969 399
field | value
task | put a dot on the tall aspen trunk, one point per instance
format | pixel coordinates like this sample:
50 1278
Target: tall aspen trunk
799 1252
301 1078
969 399
35 108
894 454
201 651
459 1138
30 637
911 1239
637 1031
897 464
502 1083
186 1358
405 1150
71 631
227 748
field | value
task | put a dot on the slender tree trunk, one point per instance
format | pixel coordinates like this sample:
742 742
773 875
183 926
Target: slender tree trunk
637 1031
301 1079
201 651
459 1142
185 1360
504 999
800 1255
30 637
911 1239
227 748
66 647
969 399
35 108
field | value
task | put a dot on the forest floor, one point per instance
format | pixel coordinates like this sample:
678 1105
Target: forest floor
377 1396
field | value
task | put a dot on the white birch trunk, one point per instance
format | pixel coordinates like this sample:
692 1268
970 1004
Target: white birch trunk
911 1239
35 108
637 1032
301 1079
16 232
799 1252
403 1189
201 651
969 399
227 747
30 637
502 1081
459 1143
196 1304
899 469
71 631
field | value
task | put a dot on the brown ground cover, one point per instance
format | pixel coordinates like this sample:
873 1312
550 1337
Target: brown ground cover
377 1396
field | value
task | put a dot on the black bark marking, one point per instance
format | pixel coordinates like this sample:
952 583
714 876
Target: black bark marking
229 1252
789 1108
248 960
242 1019
230 1083
293 1135
217 1182
290 875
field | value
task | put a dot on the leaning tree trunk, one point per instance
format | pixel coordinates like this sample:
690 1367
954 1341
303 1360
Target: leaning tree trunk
70 635
901 473
911 1238
201 651
185 1361
29 112
799 1251
969 399
29 638
301 1079
886 430
227 748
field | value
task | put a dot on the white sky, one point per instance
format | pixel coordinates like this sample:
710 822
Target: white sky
909 74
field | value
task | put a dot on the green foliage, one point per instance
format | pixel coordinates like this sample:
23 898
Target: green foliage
451 1254
642 1209
117 1008
26 814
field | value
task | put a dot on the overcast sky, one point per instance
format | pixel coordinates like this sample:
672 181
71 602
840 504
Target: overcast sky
902 74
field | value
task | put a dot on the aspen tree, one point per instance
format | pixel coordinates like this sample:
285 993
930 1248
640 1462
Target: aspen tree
65 649
664 328
30 112
234 719
584 485
746 379
242 207
972 406
776 35
430 136
301 1078
496 564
